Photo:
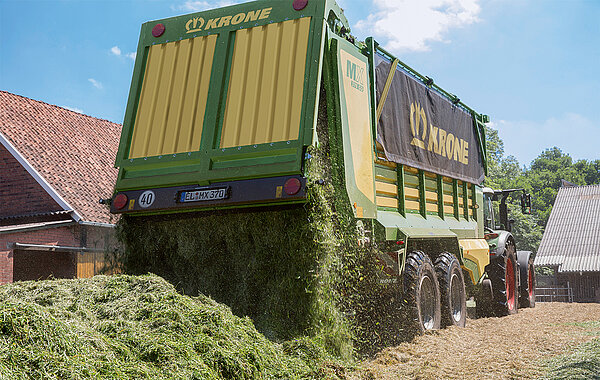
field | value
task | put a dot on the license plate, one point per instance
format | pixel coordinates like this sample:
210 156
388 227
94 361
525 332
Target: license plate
204 195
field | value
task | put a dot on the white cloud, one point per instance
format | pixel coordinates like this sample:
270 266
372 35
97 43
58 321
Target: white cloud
117 51
74 109
95 83
197 6
194 6
572 133
411 25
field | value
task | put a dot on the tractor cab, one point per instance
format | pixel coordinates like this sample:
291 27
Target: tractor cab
503 223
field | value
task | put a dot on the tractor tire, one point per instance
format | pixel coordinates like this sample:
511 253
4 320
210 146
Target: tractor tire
452 290
503 274
527 291
483 300
421 293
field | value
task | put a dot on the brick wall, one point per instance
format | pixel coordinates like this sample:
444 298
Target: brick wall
6 265
20 194
67 236
72 236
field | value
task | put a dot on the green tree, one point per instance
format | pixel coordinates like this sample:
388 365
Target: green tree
502 171
590 171
526 230
543 179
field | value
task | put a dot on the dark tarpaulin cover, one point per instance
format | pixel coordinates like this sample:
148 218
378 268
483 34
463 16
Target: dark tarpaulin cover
420 128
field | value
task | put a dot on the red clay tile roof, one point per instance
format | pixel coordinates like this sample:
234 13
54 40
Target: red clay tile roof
74 153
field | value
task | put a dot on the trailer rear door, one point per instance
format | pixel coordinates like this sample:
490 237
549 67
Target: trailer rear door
222 95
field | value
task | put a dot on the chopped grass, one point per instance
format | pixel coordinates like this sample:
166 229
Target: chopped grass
136 327
582 363
296 271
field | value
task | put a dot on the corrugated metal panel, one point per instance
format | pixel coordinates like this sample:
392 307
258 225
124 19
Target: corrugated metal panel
264 100
571 240
172 103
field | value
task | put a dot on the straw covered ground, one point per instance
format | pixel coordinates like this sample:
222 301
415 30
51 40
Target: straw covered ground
135 327
553 340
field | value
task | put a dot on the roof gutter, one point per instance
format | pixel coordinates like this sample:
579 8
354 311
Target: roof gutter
39 179
60 248
97 224
35 226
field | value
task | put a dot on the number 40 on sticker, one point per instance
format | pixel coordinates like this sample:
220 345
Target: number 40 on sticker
146 199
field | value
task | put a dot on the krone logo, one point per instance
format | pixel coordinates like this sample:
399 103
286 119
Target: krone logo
417 114
439 141
198 24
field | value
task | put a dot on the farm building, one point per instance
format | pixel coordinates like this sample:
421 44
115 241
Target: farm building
571 242
55 166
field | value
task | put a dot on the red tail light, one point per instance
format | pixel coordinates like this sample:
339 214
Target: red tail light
300 4
292 186
158 30
120 201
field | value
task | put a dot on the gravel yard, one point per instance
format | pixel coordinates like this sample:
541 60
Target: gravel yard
511 347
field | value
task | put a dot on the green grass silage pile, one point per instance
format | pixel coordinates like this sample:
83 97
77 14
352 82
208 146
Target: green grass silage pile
296 271
133 327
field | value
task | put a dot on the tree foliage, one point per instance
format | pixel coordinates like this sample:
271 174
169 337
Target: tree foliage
541 179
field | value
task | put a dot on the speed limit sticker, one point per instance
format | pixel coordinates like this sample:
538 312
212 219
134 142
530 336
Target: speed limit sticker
146 199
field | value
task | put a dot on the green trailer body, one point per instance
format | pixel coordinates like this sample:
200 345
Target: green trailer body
223 106
223 95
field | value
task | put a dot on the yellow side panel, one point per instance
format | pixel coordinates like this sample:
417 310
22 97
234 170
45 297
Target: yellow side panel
411 193
386 188
359 120
408 169
431 196
431 207
382 179
387 202
172 102
412 205
476 250
266 83
389 164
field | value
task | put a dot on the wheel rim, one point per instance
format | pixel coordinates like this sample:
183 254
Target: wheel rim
455 298
510 284
530 283
427 302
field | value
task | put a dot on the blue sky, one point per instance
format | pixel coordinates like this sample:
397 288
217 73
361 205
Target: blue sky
533 66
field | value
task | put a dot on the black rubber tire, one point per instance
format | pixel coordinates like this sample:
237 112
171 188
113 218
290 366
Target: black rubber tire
483 300
421 293
527 291
452 290
503 274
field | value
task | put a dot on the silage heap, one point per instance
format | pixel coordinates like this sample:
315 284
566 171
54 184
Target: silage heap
296 271
132 327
